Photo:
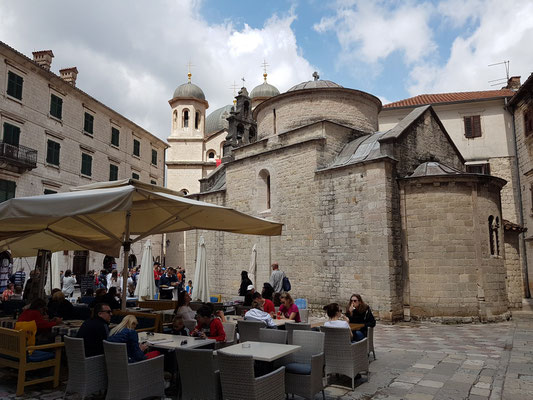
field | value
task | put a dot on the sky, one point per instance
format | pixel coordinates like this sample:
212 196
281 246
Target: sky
132 54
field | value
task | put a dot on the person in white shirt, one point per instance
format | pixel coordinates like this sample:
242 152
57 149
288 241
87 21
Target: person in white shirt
336 318
68 283
257 314
113 280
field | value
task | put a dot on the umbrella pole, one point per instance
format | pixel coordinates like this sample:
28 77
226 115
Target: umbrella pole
127 247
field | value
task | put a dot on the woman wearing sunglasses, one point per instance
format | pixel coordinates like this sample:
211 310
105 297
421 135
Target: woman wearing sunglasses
358 312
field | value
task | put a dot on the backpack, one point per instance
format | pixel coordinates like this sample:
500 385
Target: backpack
286 284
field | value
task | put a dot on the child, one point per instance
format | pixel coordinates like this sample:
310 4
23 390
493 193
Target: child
188 288
178 327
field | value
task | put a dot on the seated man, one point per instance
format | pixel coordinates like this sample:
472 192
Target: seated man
37 313
95 330
257 314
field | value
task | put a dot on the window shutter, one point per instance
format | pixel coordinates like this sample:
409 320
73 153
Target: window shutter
476 126
468 127
528 122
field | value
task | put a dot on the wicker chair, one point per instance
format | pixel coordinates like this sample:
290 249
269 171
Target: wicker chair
304 371
134 380
249 330
343 356
304 315
198 375
229 328
370 338
294 326
86 375
238 381
272 336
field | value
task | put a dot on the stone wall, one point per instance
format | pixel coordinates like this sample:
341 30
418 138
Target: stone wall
451 272
513 266
505 168
292 110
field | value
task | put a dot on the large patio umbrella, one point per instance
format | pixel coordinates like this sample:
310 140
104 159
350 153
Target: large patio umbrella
106 216
252 271
146 282
53 278
200 290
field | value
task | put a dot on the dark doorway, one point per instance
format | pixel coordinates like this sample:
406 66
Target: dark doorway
79 264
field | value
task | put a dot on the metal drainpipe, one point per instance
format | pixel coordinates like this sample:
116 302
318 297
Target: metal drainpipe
527 293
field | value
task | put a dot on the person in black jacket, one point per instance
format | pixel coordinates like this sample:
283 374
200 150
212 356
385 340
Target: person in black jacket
358 312
245 282
60 307
95 330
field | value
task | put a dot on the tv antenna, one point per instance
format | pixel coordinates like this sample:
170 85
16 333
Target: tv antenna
501 81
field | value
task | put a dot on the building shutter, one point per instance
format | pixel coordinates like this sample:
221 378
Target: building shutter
528 122
472 126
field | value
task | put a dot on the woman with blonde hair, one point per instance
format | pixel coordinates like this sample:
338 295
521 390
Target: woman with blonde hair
288 309
125 333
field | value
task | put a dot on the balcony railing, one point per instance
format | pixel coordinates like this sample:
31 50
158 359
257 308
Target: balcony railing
19 156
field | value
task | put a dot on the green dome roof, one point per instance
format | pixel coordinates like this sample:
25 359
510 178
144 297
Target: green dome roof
189 90
217 120
264 90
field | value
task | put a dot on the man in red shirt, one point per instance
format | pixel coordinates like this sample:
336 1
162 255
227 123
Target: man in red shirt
157 273
208 325
37 313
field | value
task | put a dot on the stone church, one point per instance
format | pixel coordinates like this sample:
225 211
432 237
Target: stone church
391 215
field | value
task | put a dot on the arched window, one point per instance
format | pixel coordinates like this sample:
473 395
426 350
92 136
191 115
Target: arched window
251 135
211 154
184 191
185 118
222 147
196 120
494 240
175 119
240 133
263 191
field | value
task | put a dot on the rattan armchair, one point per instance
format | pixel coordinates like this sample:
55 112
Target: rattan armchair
370 338
239 383
132 381
343 356
198 374
86 375
304 371
290 327
272 336
249 330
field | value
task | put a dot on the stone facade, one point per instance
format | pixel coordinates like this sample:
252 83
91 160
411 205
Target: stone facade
30 113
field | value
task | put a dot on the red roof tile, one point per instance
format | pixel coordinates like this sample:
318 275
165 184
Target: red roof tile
437 98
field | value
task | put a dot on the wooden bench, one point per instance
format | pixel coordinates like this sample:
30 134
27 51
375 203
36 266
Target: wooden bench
158 305
14 354
147 322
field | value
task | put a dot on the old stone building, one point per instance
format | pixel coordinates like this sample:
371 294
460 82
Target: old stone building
481 127
521 106
54 136
390 214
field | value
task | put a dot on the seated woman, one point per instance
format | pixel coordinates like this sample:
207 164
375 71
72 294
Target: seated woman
60 307
288 309
208 325
125 333
183 309
257 314
178 327
7 293
336 318
358 312
37 313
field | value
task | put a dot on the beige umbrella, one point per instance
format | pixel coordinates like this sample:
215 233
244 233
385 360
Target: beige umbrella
200 290
252 271
146 282
106 216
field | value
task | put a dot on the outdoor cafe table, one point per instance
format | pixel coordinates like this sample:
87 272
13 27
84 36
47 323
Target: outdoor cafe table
261 351
235 318
166 341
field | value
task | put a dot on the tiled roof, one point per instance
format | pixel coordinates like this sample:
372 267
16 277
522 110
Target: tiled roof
437 98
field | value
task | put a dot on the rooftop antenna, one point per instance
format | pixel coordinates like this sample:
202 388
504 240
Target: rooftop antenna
498 82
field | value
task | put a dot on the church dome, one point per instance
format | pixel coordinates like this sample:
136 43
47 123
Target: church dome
189 90
314 84
264 90
217 120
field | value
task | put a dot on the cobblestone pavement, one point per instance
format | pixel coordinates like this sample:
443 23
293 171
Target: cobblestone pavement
419 361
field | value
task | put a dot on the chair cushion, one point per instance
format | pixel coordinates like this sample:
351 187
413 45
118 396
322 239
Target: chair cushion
39 355
298 368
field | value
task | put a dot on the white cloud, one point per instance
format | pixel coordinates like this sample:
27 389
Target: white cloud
501 32
132 55
371 31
